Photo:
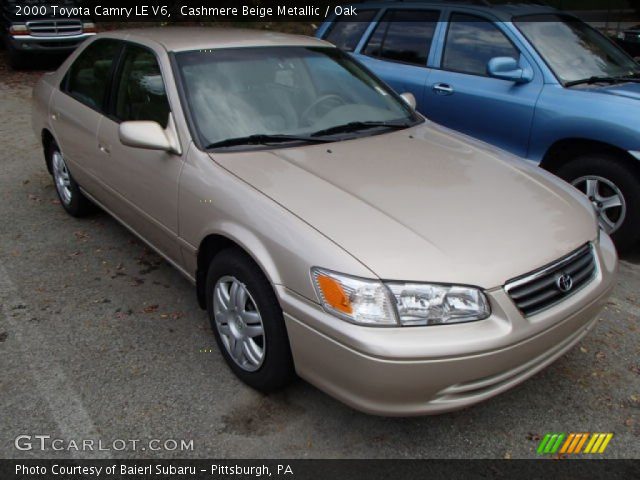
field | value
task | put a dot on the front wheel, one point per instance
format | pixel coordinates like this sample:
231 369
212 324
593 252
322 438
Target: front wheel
247 322
614 190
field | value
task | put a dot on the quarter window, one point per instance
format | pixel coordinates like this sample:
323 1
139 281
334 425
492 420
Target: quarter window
89 75
472 42
345 33
404 36
140 92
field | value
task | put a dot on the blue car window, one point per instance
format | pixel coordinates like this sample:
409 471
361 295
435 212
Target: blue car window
472 42
404 36
345 33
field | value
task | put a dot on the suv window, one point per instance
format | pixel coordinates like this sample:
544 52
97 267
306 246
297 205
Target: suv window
88 77
473 41
140 91
345 33
404 36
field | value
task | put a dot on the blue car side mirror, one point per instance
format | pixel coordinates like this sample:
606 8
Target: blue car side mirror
507 68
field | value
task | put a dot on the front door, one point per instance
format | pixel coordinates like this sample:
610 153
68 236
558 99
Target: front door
461 95
143 183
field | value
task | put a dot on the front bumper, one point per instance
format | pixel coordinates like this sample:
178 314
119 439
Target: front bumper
54 44
429 370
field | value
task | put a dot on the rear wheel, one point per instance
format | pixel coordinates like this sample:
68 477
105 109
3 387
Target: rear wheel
614 189
71 198
247 321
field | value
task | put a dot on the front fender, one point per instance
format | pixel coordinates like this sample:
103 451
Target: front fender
212 201
573 114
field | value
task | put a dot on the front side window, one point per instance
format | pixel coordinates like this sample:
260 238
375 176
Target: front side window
471 42
302 91
404 36
345 33
140 90
574 50
89 75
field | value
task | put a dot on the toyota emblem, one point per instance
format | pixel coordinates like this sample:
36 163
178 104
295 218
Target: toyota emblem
564 282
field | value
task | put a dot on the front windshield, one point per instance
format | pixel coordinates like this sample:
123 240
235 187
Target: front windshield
239 92
573 49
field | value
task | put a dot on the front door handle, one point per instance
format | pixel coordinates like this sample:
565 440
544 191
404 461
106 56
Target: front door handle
443 89
104 149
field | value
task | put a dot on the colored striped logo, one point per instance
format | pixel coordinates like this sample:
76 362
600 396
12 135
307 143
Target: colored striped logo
574 443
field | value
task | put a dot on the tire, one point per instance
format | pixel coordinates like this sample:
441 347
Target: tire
68 191
237 322
612 176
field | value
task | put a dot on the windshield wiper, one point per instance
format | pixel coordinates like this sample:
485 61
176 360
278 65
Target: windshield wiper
263 139
632 77
356 126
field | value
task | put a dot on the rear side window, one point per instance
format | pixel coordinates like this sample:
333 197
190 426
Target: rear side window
140 91
345 33
404 36
88 77
473 41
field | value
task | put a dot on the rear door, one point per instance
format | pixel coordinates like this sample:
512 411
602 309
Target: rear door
398 49
345 32
143 184
78 106
461 95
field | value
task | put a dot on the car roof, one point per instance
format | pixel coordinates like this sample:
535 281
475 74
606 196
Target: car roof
177 39
504 11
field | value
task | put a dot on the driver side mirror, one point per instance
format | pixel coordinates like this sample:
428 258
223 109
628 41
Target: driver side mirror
144 134
507 68
409 99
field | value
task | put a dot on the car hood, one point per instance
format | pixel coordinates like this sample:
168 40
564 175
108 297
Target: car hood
628 90
424 204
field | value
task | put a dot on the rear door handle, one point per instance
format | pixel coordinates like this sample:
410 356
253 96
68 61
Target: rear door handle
443 89
55 116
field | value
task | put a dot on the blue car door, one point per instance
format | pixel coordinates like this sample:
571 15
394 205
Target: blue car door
398 48
461 95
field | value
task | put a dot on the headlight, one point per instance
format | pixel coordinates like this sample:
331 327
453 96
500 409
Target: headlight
425 304
356 299
17 30
371 302
89 27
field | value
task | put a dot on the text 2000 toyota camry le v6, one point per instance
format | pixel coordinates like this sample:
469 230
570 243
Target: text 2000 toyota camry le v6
329 229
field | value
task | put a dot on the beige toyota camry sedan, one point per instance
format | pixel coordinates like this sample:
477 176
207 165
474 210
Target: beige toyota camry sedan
330 230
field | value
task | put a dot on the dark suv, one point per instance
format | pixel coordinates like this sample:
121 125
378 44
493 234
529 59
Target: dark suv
28 27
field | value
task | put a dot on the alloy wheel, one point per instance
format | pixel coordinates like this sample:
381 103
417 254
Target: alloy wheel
61 177
607 199
239 323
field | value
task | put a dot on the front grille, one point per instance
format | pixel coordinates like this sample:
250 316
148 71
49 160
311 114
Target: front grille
54 28
550 285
